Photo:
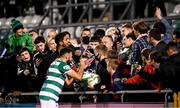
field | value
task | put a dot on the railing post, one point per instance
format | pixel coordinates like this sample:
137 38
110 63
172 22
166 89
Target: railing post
132 14
111 17
81 98
70 12
90 11
166 100
122 97
51 12
95 98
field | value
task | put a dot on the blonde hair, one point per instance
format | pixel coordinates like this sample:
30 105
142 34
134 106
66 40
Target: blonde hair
102 49
113 63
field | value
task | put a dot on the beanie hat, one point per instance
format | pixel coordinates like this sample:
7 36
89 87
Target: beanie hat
16 24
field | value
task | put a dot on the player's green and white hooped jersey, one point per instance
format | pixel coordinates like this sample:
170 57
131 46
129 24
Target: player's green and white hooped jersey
54 83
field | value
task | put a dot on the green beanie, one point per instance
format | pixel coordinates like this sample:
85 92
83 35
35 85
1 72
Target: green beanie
16 24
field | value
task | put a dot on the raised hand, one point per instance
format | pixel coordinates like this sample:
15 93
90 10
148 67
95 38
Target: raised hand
158 13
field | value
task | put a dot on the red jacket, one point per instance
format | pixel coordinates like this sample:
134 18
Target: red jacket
136 79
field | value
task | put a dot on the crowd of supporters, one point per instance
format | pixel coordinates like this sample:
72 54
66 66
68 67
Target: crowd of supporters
134 57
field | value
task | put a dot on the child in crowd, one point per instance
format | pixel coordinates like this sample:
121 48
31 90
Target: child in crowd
41 59
26 75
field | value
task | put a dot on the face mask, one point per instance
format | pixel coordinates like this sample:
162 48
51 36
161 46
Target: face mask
85 39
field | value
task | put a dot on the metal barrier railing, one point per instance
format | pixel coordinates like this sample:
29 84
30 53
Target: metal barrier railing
102 24
93 25
9 97
89 6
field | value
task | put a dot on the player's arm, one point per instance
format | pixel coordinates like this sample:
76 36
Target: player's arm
69 81
78 75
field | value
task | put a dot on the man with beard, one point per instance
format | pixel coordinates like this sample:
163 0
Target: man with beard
57 77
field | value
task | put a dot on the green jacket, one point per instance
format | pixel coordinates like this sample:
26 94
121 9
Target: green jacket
14 44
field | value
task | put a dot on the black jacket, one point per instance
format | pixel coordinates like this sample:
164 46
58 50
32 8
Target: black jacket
170 72
104 75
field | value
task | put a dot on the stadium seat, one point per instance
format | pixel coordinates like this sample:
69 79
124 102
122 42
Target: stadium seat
177 9
27 20
2 21
8 21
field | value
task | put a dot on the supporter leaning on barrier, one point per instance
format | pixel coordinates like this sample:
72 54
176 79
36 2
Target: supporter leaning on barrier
101 56
148 71
41 59
170 72
26 76
117 69
101 70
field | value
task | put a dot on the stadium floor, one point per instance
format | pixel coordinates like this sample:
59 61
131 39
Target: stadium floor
91 105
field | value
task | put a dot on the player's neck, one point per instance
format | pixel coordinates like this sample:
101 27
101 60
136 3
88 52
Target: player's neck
63 59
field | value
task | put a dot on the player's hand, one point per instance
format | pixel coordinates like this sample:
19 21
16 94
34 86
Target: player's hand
82 63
